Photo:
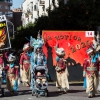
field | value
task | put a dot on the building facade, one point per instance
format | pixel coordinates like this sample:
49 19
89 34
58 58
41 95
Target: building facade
5 8
17 15
32 9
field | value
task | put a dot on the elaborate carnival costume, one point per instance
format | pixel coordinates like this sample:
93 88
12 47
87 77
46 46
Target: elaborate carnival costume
37 58
12 74
61 71
25 65
96 44
91 72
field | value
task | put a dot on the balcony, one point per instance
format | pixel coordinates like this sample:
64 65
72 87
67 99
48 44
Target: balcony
42 2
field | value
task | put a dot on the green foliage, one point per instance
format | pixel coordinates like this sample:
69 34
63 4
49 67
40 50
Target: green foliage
20 35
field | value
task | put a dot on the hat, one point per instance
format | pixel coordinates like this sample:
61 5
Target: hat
60 51
90 50
26 46
11 58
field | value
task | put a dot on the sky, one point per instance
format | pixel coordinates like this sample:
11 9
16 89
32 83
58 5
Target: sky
17 3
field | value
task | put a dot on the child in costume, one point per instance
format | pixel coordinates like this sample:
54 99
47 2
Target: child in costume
61 71
91 70
12 74
25 64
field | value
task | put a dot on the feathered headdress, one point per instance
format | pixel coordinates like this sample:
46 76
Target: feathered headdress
36 43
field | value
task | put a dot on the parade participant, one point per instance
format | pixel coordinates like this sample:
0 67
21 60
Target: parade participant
91 70
96 45
37 58
85 81
25 64
1 64
61 71
12 74
1 67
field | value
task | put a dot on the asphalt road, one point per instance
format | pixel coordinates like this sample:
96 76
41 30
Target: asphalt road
76 92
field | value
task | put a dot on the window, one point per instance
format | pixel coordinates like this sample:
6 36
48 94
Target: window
10 14
43 8
0 6
35 7
0 13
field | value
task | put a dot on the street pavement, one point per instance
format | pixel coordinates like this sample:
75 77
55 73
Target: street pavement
76 92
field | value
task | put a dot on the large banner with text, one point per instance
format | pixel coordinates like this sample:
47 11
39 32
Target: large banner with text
75 43
4 34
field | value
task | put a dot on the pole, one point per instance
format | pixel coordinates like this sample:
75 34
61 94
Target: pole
13 27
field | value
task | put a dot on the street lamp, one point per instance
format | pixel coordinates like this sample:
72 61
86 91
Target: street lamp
12 25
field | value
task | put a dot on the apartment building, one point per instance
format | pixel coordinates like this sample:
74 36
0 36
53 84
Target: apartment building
5 8
32 9
17 14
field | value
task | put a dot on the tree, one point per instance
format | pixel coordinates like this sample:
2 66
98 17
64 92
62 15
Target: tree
22 33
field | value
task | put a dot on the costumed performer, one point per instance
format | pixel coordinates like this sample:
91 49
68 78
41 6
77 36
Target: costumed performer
91 70
12 74
2 72
61 70
37 58
96 44
25 65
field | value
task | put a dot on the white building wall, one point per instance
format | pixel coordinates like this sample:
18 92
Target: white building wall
36 9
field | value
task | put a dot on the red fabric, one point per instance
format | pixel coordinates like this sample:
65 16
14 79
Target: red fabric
26 66
61 64
12 70
87 64
67 40
1 59
23 57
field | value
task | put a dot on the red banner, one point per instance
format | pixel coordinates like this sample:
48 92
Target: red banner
75 43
